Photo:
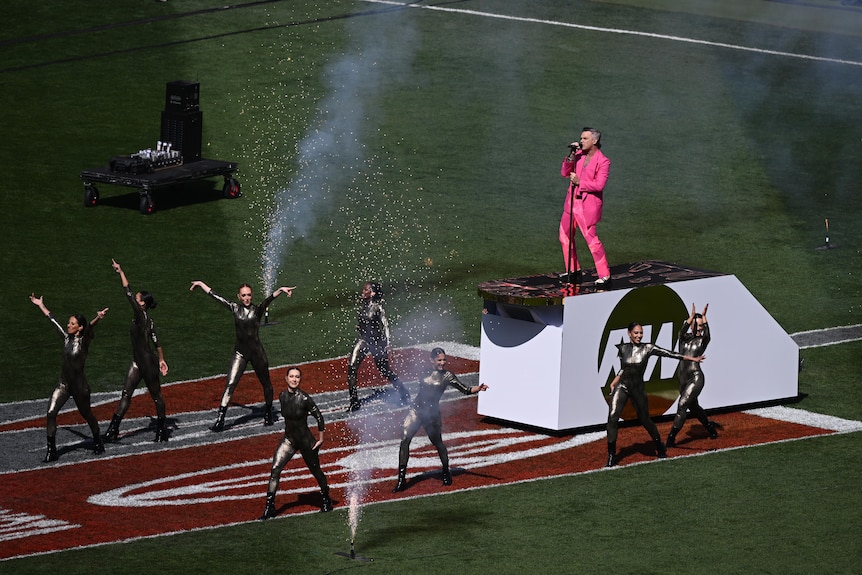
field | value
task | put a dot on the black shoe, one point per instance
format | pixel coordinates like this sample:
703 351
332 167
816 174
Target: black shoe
660 449
447 476
113 429
671 438
51 454
99 447
402 480
269 509
218 426
161 431
603 283
612 460
326 504
712 428
268 418
355 404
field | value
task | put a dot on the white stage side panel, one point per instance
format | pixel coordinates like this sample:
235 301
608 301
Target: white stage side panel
520 361
751 358
581 399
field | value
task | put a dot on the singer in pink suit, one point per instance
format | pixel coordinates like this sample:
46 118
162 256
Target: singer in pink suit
587 169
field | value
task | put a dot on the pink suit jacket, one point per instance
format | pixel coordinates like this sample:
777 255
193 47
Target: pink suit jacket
593 180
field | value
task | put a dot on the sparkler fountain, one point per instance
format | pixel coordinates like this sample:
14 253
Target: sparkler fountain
827 245
373 228
362 462
332 153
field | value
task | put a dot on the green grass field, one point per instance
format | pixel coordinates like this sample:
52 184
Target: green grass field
422 148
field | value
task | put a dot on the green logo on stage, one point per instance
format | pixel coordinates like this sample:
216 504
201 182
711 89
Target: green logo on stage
661 312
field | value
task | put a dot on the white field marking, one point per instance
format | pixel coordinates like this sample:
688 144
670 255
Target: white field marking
476 449
468 450
452 348
830 343
827 329
621 31
857 326
20 525
802 417
438 494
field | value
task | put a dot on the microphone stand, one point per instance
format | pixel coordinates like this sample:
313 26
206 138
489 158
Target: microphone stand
570 257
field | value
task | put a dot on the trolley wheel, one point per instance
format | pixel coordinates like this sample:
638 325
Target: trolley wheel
147 207
231 188
91 196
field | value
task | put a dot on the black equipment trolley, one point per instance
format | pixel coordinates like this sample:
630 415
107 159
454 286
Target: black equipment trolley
159 178
176 160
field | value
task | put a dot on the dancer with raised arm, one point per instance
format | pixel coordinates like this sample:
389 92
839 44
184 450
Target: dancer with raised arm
248 348
425 412
691 378
145 365
77 337
629 384
296 407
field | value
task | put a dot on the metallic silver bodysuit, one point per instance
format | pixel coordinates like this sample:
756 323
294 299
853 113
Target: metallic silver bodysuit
295 408
634 360
72 382
145 363
425 412
373 339
247 347
691 378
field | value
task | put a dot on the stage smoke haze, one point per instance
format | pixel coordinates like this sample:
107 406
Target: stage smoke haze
427 321
330 157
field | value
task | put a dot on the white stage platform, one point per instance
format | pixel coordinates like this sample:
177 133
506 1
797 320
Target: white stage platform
548 350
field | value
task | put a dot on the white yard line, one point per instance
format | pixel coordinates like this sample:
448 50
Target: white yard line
726 45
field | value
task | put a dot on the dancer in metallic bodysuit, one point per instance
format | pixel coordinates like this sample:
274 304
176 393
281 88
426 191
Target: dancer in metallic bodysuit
296 406
145 364
691 379
77 337
373 339
629 383
247 318
425 412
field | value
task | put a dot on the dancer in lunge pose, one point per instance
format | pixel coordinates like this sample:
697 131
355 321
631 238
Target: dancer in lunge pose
691 379
77 337
247 318
373 338
425 412
296 406
145 364
629 383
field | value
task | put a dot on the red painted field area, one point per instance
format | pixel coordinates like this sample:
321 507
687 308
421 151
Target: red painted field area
176 488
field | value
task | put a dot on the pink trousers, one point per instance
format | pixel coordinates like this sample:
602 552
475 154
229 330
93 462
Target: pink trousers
588 212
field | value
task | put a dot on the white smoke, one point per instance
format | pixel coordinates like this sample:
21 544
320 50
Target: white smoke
331 154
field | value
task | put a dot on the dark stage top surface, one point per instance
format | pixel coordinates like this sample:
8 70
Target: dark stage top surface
551 289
